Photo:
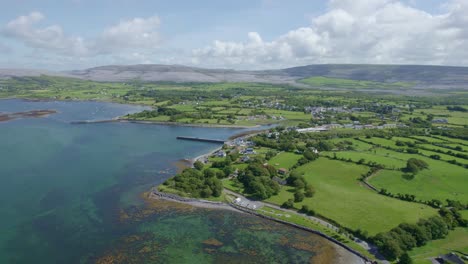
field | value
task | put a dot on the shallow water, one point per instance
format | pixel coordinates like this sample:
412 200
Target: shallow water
71 194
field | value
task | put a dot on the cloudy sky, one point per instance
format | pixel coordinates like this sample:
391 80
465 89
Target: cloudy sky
241 34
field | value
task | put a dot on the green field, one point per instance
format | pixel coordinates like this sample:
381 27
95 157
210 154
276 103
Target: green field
284 160
382 142
355 156
442 180
341 197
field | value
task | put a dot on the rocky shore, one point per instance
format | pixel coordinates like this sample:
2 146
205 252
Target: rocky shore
341 248
155 194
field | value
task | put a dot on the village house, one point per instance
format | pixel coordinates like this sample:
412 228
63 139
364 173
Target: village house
312 129
390 125
248 151
334 126
244 158
282 171
440 121
279 180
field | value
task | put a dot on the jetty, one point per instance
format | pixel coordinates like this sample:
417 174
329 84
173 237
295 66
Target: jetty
217 141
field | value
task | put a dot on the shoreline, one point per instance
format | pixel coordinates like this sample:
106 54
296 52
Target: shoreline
358 258
119 119
149 122
28 99
157 195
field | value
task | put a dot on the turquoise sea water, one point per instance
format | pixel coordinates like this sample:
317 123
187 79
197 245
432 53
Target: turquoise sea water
63 189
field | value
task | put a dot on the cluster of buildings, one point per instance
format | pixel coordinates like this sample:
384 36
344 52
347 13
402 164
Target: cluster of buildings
245 147
240 142
440 121
265 103
317 110
260 117
355 126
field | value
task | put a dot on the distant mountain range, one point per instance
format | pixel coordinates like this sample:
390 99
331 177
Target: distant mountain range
421 76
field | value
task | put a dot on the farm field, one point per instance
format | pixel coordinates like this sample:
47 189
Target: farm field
441 180
284 160
445 181
341 197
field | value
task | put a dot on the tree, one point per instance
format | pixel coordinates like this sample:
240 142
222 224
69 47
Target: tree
304 209
270 154
417 232
325 146
405 259
298 196
415 165
309 191
228 170
209 173
198 165
299 183
205 193
288 204
310 155
259 190
388 246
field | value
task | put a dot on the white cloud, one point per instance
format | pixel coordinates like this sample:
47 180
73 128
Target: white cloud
50 38
135 33
356 31
129 35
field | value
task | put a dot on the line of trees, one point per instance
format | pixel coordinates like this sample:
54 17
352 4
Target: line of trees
457 108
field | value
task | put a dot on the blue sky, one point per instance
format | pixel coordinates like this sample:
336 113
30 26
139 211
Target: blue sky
74 34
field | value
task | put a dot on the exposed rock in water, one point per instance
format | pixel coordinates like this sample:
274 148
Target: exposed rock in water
213 242
28 114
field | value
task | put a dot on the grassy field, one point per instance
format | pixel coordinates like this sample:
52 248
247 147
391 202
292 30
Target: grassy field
389 162
341 197
284 160
441 180
382 142
426 185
